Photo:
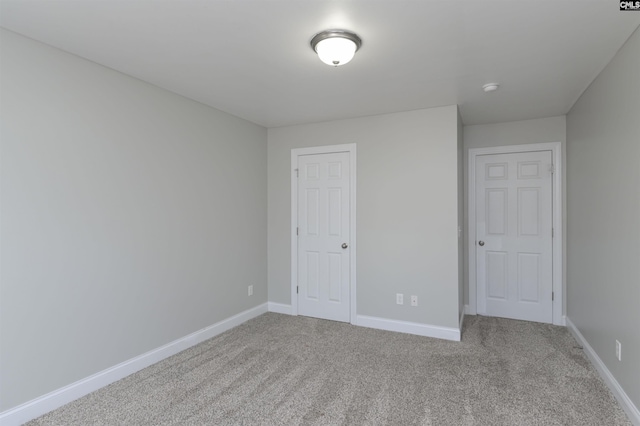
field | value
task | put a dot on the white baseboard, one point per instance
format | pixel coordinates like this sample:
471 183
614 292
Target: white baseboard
624 400
447 333
41 405
280 308
389 325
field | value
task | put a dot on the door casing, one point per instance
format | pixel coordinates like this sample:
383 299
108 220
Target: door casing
558 284
295 153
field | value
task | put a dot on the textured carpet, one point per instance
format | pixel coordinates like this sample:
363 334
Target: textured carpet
283 370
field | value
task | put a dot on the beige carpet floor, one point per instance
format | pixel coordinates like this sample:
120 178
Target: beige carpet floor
283 370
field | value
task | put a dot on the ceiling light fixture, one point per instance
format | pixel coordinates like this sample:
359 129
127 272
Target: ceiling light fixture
490 87
336 47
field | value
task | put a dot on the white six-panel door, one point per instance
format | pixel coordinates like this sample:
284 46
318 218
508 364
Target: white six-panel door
323 236
514 235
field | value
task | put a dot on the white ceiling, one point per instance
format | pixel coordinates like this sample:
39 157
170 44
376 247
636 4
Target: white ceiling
252 58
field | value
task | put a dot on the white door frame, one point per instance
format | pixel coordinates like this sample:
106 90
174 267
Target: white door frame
556 155
329 149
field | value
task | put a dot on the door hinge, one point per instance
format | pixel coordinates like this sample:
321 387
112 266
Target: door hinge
297 172
553 296
552 168
297 231
552 232
297 290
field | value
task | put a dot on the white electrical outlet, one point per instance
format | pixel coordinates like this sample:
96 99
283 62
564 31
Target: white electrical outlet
619 350
399 298
250 290
414 300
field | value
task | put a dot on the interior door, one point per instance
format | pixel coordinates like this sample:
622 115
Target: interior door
514 235
323 236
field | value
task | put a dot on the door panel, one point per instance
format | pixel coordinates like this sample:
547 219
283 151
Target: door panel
497 270
313 272
514 242
323 227
312 198
497 200
528 212
529 277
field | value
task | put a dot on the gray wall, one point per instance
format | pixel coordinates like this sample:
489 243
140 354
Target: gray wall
406 210
543 130
603 198
130 217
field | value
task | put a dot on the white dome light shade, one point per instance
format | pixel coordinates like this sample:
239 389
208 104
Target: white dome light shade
336 51
335 47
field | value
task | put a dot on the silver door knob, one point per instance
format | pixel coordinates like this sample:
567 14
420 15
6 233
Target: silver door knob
345 245
480 243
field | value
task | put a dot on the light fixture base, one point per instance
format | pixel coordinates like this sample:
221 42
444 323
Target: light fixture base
490 87
323 35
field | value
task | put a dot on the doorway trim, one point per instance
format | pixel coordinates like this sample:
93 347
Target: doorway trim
328 149
557 246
